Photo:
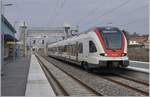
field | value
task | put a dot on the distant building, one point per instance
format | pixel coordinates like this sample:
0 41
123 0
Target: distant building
133 42
139 41
146 43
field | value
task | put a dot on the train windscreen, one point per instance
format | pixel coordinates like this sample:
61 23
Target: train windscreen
112 39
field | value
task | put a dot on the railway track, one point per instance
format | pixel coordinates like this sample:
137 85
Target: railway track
68 85
127 82
133 79
115 85
138 85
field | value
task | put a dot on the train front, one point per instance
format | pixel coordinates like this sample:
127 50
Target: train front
114 45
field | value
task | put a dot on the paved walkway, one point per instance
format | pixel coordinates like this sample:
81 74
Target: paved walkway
139 64
37 84
13 83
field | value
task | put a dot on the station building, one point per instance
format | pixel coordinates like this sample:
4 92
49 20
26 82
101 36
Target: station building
9 38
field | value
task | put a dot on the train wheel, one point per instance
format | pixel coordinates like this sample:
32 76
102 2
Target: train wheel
86 67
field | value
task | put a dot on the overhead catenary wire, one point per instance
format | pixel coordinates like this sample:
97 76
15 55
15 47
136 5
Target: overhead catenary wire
62 4
110 11
54 13
132 22
136 9
91 12
58 11
129 13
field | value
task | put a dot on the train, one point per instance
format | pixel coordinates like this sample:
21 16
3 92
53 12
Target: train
96 48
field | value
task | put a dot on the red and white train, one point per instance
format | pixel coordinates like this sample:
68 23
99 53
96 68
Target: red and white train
97 47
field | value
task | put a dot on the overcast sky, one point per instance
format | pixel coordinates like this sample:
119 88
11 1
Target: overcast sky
131 15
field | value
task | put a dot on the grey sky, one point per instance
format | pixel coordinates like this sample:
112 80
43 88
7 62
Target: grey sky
131 16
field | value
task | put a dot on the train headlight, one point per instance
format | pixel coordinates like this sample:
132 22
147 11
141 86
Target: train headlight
124 54
103 54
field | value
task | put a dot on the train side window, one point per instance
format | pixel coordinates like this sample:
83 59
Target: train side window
65 48
92 47
80 48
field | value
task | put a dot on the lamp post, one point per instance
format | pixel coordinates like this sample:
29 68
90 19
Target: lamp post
1 38
66 27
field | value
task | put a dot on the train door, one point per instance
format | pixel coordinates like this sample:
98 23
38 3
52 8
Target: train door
80 51
69 50
76 51
85 50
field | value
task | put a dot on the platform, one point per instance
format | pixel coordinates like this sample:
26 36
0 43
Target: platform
13 83
37 84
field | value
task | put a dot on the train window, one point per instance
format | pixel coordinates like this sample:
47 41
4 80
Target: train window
80 48
73 49
59 49
112 38
92 47
65 48
49 49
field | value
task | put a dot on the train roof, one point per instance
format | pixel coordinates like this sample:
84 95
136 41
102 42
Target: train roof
70 39
106 28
